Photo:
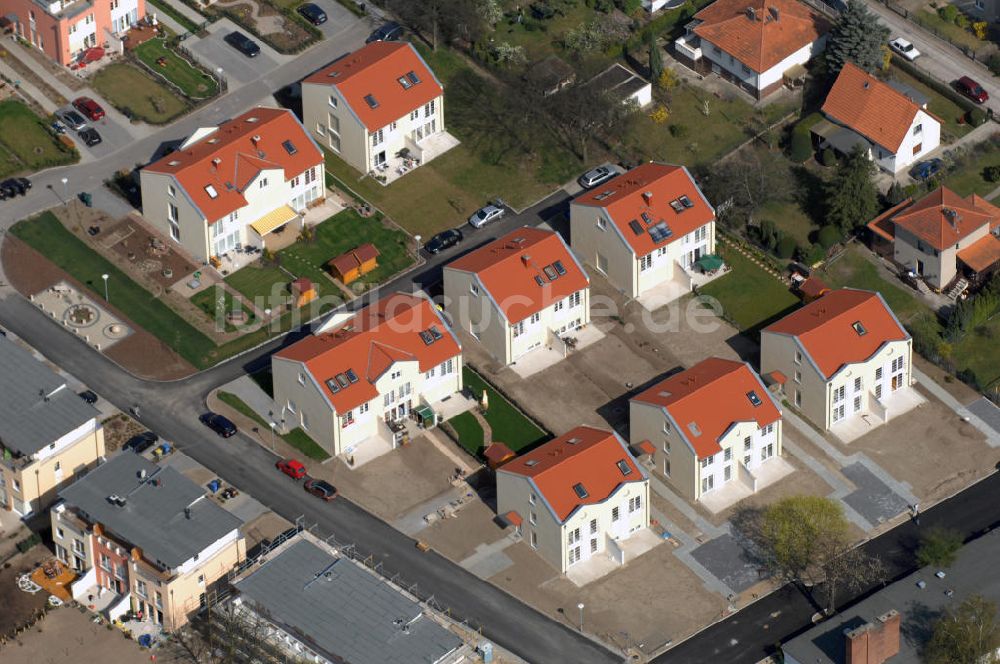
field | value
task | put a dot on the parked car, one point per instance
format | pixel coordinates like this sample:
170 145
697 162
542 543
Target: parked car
19 185
926 169
596 176
485 215
73 120
219 424
904 48
972 90
320 489
58 127
443 240
141 442
313 13
89 136
24 182
89 397
390 31
291 467
243 44
89 108
10 189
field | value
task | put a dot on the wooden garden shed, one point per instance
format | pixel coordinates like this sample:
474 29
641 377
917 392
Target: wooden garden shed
354 264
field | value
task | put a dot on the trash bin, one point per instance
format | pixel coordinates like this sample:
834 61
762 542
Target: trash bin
86 198
214 485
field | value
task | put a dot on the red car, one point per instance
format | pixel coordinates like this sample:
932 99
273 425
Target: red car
320 489
972 90
89 108
291 467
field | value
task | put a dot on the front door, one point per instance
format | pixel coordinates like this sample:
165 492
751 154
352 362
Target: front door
380 158
920 268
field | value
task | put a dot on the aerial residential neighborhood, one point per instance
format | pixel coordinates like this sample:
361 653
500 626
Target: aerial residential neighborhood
488 331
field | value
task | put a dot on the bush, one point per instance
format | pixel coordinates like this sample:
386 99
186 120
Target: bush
949 13
994 64
786 247
991 173
977 117
938 547
828 157
828 236
962 21
680 131
813 255
800 148
28 542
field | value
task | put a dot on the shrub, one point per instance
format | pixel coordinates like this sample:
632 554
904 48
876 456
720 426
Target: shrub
991 173
680 131
828 157
828 236
962 21
813 255
994 64
980 29
949 13
786 247
660 115
28 542
668 79
977 117
938 547
800 148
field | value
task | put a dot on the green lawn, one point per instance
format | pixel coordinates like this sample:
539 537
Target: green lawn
195 83
340 233
957 35
749 296
137 94
789 218
540 38
297 438
470 434
699 139
26 144
444 192
509 425
968 178
978 352
208 301
854 269
45 234
946 109
444 62
264 285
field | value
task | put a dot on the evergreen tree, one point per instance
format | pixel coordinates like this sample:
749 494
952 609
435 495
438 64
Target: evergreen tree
856 37
655 59
851 194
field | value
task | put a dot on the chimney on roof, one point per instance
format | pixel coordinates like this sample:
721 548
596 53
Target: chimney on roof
526 259
215 162
875 642
775 13
751 13
647 198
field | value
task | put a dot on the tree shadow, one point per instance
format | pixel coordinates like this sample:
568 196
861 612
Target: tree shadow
810 196
917 624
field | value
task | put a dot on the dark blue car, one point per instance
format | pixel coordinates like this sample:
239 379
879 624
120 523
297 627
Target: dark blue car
926 169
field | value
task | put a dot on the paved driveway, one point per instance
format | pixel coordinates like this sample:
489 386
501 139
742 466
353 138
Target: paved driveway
987 411
236 67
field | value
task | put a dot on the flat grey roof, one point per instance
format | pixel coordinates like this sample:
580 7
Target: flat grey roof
342 611
973 573
36 406
154 516
620 79
918 97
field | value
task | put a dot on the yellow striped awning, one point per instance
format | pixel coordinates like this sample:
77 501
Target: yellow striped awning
273 219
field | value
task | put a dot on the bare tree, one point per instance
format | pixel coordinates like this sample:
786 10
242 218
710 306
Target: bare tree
581 114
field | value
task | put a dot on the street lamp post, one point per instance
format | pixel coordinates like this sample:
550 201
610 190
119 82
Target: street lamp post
65 182
105 277
580 606
417 239
272 425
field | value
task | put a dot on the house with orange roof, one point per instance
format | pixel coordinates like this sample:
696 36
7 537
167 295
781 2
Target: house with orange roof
846 357
753 44
240 184
944 239
645 229
709 425
522 291
578 496
360 375
380 109
890 121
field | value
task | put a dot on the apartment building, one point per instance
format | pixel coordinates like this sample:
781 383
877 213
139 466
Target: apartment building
48 434
520 292
246 182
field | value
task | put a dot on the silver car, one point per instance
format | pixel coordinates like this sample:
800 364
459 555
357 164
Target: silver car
596 176
485 215
73 120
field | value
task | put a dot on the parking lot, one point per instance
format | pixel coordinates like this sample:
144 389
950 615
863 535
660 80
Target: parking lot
236 67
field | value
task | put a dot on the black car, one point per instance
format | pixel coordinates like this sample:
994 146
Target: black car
8 189
17 185
443 240
313 13
89 397
24 182
391 31
141 442
219 424
90 136
320 489
243 44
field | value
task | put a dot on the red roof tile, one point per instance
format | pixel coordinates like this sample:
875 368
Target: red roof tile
981 254
240 158
369 343
942 218
707 399
585 456
628 201
825 328
870 107
509 268
775 30
375 70
778 377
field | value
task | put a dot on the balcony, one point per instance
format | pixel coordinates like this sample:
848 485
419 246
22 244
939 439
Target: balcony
689 46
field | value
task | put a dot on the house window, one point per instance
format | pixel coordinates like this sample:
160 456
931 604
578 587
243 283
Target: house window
707 484
727 473
878 391
531 499
59 533
917 148
77 546
305 420
798 357
747 443
534 540
593 545
377 137
666 426
263 183
857 384
666 467
140 588
415 114
302 378
175 232
615 514
105 562
290 405
171 190
363 408
558 306
798 376
746 460
518 328
634 504
575 299
798 399
602 223
666 446
746 70
429 109
917 129
574 536
767 452
728 454
474 289
396 374
532 517
645 262
593 526
535 318
333 101
201 579
159 600
172 212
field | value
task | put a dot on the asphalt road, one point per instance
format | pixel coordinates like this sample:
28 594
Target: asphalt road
747 636
939 58
172 409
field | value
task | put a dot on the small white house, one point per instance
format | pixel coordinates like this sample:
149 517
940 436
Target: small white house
622 82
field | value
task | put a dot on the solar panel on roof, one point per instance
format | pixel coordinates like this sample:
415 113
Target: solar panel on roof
635 226
559 268
660 232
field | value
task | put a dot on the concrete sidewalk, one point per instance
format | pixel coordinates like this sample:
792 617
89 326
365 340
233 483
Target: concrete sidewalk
27 89
180 8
